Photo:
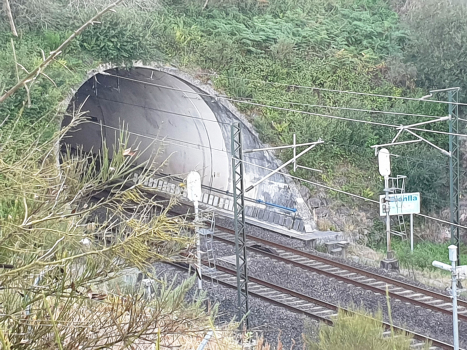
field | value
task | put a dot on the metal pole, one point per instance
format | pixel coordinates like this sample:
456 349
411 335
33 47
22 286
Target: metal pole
411 233
239 224
388 218
455 324
283 166
294 153
198 246
454 279
453 97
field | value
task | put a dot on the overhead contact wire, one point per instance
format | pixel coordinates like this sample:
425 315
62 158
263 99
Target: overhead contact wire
350 194
281 108
341 91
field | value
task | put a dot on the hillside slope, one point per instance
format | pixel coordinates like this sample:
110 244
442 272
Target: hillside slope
259 52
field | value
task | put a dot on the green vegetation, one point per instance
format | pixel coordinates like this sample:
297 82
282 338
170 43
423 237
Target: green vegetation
257 52
64 256
358 331
423 255
437 45
341 44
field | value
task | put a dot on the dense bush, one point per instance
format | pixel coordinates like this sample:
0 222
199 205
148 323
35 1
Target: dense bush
358 331
437 43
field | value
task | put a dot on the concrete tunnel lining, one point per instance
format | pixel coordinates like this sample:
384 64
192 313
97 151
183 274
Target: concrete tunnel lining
190 127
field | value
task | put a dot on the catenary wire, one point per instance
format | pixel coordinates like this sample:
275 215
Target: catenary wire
188 144
174 141
343 118
163 140
161 110
297 178
350 194
340 91
289 102
441 165
282 108
224 123
341 108
285 102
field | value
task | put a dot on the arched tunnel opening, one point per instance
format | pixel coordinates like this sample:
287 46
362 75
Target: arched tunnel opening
190 127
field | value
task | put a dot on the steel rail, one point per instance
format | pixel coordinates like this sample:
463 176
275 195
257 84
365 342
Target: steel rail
332 307
353 270
262 297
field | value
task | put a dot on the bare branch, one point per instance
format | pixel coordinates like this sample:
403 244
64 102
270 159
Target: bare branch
16 61
10 17
38 70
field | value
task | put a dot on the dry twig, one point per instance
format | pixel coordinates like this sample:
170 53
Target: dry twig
32 76
6 5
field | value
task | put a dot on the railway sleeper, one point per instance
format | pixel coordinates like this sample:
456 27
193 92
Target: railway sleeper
298 303
443 305
332 270
299 259
270 293
327 311
424 298
350 275
378 284
286 255
416 295
404 292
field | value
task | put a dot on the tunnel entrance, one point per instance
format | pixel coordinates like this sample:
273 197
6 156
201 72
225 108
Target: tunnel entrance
186 124
159 111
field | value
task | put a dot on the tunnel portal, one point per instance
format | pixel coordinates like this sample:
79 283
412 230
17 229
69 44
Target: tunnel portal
189 126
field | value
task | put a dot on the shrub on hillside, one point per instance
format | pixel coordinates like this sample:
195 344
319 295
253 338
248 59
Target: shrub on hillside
357 332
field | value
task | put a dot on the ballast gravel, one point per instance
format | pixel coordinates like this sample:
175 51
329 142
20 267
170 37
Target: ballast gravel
414 318
298 244
272 322
271 319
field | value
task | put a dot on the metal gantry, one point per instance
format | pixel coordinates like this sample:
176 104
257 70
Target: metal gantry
453 98
453 154
239 223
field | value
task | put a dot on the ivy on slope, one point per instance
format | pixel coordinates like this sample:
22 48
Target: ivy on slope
340 44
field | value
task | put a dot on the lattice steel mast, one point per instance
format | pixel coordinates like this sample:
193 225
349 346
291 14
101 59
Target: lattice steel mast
239 222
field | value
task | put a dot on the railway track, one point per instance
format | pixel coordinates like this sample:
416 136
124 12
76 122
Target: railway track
358 277
300 303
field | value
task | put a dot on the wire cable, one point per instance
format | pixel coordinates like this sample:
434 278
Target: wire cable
282 108
343 108
285 102
441 165
163 140
340 91
189 144
345 119
315 114
350 194
160 110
